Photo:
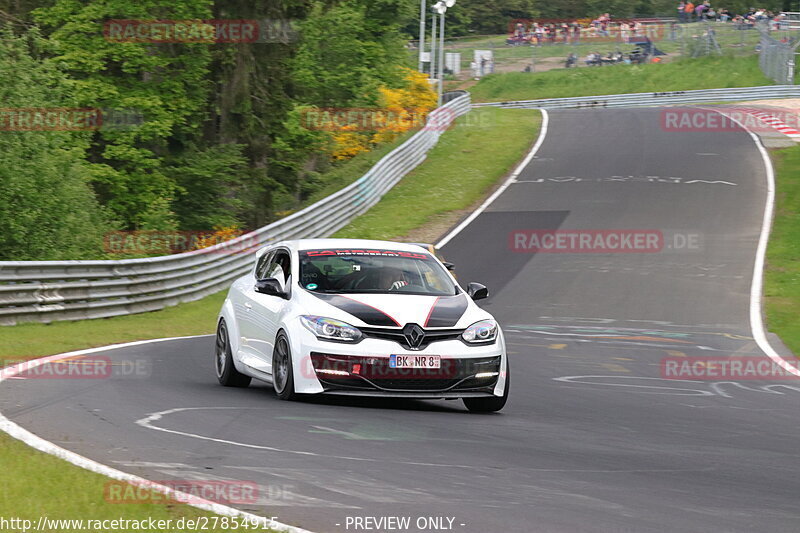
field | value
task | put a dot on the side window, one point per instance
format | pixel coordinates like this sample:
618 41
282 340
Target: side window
263 263
279 267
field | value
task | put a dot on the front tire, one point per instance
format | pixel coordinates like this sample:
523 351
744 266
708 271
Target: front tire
489 405
282 369
227 374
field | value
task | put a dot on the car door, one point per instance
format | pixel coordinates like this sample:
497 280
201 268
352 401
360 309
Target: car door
265 310
243 300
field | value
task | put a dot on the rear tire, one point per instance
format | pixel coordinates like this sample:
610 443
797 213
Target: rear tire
227 374
489 405
282 369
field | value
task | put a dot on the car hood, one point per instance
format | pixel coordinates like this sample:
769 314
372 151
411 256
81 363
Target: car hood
396 310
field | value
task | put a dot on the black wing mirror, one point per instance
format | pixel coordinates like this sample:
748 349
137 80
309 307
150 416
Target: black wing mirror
449 266
270 286
477 291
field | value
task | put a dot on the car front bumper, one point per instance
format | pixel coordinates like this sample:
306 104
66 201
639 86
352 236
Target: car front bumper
363 369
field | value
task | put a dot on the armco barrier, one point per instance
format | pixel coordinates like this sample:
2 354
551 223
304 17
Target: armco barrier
655 99
46 291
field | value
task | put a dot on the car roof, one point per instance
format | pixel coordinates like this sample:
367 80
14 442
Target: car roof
317 244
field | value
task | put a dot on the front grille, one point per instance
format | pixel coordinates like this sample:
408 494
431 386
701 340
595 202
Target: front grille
416 384
397 335
374 373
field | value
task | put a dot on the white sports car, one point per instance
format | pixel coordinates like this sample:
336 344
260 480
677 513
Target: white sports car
358 317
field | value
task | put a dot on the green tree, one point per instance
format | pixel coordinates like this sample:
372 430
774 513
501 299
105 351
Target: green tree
348 51
210 185
166 83
48 210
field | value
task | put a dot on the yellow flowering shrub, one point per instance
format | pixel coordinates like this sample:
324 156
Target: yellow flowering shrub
347 143
220 234
401 109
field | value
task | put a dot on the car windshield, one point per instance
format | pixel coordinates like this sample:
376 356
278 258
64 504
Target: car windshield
337 271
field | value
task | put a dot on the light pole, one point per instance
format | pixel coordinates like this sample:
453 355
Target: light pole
432 75
441 8
422 15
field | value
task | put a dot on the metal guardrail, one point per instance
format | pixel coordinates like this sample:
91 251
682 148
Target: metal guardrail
655 99
46 291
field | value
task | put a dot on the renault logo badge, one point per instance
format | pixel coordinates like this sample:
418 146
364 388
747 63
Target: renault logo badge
414 335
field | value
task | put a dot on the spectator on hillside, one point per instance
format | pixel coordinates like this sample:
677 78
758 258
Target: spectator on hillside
689 10
565 32
700 11
605 21
576 32
742 22
624 32
682 12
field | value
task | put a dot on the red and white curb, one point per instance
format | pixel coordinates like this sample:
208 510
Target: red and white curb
773 121
34 441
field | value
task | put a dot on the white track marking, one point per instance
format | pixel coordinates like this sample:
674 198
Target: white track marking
511 179
717 387
578 380
756 288
34 441
147 422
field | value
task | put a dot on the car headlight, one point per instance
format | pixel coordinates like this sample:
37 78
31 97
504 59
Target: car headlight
481 332
330 329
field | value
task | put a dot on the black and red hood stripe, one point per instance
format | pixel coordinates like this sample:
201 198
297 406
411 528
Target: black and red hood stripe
366 313
445 312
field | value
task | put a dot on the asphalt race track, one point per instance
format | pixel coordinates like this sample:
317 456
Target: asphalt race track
593 439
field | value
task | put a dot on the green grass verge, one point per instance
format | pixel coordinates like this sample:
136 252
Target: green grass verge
685 74
782 274
35 484
469 159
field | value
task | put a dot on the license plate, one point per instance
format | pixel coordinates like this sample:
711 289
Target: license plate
415 361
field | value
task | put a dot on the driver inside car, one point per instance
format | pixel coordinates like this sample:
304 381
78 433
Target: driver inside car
388 279
372 277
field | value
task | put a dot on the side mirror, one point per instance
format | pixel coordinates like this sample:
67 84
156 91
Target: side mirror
449 266
270 286
477 291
